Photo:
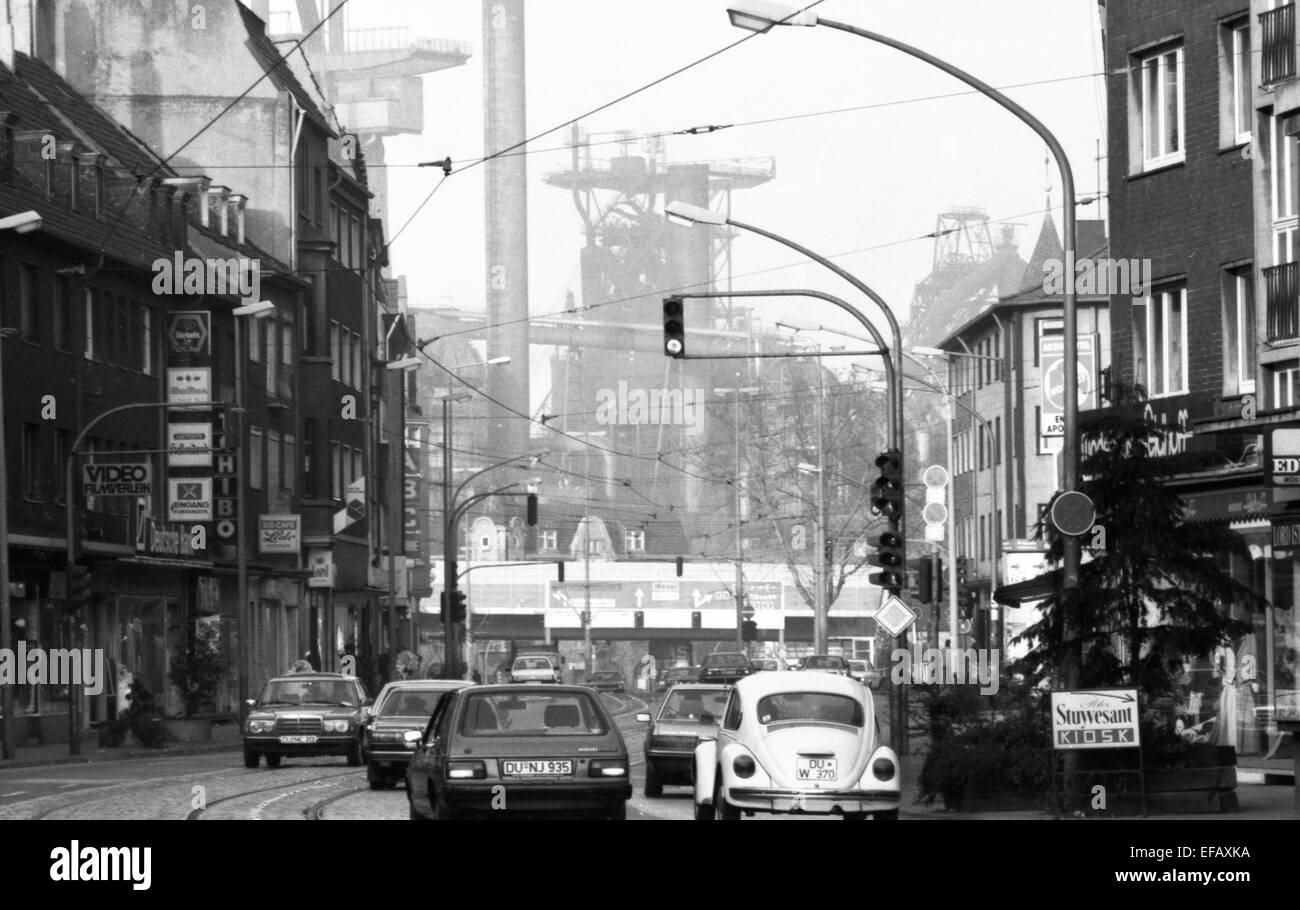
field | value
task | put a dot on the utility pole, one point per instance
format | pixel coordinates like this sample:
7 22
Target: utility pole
821 563
740 542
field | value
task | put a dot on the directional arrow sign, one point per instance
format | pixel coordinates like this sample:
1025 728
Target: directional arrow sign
894 615
639 596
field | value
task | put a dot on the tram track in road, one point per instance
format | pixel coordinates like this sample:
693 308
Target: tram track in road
286 789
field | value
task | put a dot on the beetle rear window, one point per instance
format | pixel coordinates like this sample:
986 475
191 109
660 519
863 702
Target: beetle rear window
810 706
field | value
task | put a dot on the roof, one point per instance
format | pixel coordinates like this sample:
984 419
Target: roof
763 684
277 67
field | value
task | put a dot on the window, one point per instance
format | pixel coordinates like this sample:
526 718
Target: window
548 539
335 350
254 340
1237 48
1239 347
1281 171
356 361
62 313
1161 112
1285 384
290 463
336 470
981 450
122 331
272 460
982 536
63 439
256 457
345 351
634 541
272 349
1160 342
356 243
91 309
732 719
32 461
29 299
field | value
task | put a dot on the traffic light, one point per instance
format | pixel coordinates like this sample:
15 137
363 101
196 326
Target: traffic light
961 572
965 601
640 619
532 510
887 491
458 609
889 557
924 581
442 607
695 619
559 570
679 567
674 328
78 586
748 630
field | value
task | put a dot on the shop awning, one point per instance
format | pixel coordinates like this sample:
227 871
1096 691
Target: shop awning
1031 589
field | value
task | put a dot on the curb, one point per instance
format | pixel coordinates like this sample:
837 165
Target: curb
128 755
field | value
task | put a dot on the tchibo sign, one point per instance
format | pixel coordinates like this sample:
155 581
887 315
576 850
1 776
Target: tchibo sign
1283 456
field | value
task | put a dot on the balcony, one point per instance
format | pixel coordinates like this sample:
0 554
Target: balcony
1282 289
1278 57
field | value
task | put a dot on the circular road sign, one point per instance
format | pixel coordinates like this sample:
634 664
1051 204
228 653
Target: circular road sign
1054 384
935 476
1073 513
934 513
747 611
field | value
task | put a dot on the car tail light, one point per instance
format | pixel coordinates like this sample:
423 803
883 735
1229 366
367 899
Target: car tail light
461 770
883 768
607 767
744 766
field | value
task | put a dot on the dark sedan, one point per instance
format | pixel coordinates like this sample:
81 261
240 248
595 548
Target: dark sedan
689 713
502 751
725 667
677 675
305 714
608 681
402 705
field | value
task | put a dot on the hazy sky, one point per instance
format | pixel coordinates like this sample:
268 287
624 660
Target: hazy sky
860 186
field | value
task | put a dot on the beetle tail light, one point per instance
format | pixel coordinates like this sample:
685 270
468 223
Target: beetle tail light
883 768
744 766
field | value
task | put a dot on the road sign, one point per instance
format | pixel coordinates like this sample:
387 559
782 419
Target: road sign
894 615
747 611
1095 719
1051 354
1073 513
935 476
934 533
935 513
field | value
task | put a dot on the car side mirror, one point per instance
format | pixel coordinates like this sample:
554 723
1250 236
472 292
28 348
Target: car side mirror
643 718
367 703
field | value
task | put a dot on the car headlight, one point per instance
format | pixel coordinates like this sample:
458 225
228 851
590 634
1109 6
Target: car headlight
261 725
744 766
607 767
461 770
883 768
340 725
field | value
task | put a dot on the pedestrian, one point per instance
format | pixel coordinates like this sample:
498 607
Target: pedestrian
477 677
313 657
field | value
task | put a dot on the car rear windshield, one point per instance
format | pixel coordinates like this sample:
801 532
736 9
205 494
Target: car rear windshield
681 672
309 692
726 660
605 674
825 663
531 714
810 706
533 663
409 703
692 704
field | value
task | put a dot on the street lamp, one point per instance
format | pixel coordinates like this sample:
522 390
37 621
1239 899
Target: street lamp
735 393
22 223
760 16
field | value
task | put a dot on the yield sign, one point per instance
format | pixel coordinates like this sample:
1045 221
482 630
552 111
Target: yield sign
894 615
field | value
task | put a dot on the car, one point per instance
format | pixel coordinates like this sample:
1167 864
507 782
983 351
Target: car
766 663
677 675
607 681
688 712
305 715
797 743
825 663
501 751
402 705
865 672
536 668
724 667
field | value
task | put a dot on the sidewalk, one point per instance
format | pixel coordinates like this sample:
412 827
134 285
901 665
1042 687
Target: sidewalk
1256 801
225 737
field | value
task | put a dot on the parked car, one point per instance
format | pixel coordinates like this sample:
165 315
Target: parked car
536 668
402 705
724 667
826 663
304 715
676 675
766 663
797 743
607 681
688 712
865 672
501 751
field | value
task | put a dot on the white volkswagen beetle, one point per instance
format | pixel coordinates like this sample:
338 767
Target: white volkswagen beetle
797 743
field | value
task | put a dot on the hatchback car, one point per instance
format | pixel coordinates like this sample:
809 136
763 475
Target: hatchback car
866 673
402 705
725 667
826 663
501 751
305 714
688 712
795 743
677 675
607 681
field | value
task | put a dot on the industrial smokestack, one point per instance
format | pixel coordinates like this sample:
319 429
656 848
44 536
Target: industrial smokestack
506 223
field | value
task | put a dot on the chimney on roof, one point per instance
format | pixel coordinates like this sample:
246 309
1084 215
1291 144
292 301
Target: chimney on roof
219 209
237 203
63 178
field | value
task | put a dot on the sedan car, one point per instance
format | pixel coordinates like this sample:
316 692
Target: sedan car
688 712
402 705
725 667
607 681
766 664
677 675
797 743
305 714
502 751
826 663
866 673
